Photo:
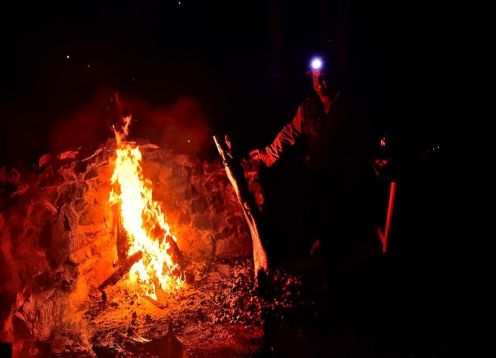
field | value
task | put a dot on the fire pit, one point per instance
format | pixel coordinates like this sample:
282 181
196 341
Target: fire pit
127 247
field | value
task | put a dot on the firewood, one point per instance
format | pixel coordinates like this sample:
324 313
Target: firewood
124 268
175 253
121 234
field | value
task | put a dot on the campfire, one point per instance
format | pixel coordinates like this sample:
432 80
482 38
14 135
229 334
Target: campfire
127 247
150 240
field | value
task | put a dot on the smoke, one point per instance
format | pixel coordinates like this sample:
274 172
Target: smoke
181 125
87 126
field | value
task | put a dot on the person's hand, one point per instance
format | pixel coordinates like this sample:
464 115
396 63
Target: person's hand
255 154
260 155
380 166
315 249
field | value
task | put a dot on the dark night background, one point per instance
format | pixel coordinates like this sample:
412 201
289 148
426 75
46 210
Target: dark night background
242 63
237 67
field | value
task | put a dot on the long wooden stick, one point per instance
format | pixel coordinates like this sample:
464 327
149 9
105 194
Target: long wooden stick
236 177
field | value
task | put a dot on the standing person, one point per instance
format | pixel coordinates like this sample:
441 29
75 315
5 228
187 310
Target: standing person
338 151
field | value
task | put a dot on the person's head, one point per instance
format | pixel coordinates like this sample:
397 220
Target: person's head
320 79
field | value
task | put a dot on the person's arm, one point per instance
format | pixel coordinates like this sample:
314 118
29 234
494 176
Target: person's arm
285 138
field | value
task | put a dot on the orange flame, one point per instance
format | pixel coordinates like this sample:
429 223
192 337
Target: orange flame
143 219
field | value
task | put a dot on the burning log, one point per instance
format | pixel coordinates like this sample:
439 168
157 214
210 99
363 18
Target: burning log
176 254
236 176
124 268
122 240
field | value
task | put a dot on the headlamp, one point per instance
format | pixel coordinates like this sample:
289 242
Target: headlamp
316 63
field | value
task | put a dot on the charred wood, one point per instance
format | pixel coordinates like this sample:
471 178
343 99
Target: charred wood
124 268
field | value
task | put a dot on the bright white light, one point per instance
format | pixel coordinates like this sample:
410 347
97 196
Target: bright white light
316 63
67 57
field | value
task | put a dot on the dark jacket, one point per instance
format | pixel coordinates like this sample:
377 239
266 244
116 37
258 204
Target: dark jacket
337 143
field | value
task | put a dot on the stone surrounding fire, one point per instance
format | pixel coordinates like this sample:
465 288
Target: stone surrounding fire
58 235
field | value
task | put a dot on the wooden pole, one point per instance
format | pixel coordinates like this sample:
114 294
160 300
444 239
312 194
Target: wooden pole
236 176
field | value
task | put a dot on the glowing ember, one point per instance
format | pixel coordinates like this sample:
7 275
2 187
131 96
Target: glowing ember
144 221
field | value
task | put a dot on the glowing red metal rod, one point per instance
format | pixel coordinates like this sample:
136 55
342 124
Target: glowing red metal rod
385 236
